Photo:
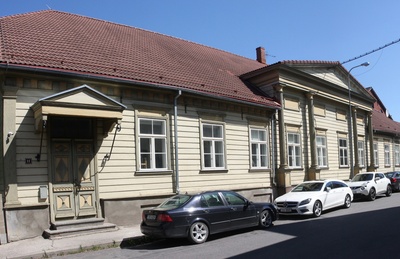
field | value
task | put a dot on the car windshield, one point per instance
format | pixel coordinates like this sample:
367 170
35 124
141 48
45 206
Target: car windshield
362 177
174 202
308 187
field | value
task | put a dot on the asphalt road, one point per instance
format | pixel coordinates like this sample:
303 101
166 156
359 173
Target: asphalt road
365 230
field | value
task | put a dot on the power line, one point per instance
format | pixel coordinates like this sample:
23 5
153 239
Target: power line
372 51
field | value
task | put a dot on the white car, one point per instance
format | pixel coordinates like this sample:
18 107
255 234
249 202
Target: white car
313 197
370 184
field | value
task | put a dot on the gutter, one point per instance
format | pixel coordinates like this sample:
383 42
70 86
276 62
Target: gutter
177 189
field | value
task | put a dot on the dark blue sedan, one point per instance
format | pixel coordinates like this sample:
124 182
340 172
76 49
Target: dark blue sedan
200 215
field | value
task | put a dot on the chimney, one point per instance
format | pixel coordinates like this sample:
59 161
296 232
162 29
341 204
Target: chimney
261 57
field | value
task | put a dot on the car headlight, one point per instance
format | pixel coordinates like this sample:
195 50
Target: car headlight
304 202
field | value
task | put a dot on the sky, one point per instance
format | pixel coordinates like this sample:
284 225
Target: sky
339 30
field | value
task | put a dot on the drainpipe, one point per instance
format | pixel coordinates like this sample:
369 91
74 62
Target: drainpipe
273 118
176 142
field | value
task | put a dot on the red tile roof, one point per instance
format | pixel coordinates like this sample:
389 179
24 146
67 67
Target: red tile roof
54 40
382 121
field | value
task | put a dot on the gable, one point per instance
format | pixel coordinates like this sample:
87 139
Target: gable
82 101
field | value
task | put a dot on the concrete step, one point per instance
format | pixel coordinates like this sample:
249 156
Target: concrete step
73 228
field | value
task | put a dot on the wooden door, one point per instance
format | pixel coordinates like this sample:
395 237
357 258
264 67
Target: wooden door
74 186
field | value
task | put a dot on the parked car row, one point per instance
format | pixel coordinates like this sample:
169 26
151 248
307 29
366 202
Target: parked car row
200 215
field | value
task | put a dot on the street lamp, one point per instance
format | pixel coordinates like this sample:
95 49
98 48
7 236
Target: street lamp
365 64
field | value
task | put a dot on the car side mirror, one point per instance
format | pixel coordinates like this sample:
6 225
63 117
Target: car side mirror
328 189
377 178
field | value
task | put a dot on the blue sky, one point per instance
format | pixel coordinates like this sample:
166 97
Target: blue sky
288 29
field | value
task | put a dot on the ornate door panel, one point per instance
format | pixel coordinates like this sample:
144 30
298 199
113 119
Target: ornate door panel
74 193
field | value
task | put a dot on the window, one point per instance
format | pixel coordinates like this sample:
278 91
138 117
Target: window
212 199
234 199
343 153
213 146
361 154
376 158
294 150
259 150
386 148
322 157
153 144
397 154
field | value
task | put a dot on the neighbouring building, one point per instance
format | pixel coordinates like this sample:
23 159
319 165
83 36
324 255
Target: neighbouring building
386 146
314 127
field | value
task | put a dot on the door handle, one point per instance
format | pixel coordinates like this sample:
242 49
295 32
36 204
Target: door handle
233 208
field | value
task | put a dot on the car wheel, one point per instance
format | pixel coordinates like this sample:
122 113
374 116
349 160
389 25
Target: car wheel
265 219
198 233
389 191
347 201
317 209
372 194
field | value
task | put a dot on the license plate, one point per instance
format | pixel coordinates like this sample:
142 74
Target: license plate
286 210
151 217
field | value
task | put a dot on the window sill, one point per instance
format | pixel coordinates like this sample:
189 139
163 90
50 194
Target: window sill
140 173
211 171
260 170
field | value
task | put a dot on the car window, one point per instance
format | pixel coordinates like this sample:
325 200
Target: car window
213 199
330 185
175 201
203 202
233 199
379 175
308 187
390 174
339 185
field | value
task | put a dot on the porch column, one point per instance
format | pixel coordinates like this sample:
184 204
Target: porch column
283 175
355 144
313 172
371 167
9 145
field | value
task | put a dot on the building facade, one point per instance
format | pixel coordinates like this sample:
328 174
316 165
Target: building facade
97 128
101 120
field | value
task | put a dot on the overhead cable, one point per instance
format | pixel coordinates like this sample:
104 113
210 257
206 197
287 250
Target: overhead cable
372 51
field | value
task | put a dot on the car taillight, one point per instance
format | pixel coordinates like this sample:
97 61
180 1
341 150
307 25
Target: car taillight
393 180
164 218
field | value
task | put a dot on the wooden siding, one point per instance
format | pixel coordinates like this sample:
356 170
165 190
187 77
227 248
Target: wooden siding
29 176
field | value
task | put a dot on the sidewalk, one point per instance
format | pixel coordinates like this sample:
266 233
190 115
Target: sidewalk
39 247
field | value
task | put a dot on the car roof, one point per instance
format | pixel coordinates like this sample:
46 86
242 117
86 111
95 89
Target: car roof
323 181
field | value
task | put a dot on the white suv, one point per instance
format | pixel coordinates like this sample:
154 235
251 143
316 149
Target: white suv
369 185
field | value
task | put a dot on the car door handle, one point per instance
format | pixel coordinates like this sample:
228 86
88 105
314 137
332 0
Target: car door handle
234 209
207 211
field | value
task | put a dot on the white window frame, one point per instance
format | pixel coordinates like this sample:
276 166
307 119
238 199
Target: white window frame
386 148
294 150
343 153
213 147
397 154
376 154
322 151
150 158
361 153
259 155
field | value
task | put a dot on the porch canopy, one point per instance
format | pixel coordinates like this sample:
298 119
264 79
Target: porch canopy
82 101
